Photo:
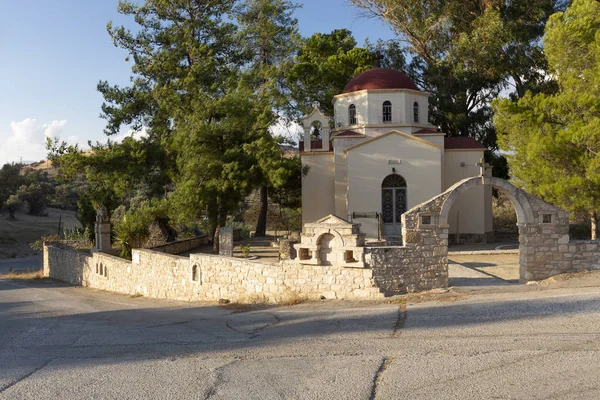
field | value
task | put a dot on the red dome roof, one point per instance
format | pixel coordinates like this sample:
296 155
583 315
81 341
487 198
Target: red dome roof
380 78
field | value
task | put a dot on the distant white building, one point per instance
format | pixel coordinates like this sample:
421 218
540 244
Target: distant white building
383 156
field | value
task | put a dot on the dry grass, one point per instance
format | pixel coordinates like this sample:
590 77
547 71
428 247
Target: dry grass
439 295
15 236
136 295
23 275
590 276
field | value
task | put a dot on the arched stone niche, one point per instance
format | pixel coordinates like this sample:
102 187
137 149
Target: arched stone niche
331 241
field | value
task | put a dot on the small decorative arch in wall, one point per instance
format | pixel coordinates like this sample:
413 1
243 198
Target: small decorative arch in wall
105 272
416 112
387 111
195 273
97 268
352 120
101 269
331 241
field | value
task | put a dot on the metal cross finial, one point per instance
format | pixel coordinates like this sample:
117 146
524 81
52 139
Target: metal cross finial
481 164
316 105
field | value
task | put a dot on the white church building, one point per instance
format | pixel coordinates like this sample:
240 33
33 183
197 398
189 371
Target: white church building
378 155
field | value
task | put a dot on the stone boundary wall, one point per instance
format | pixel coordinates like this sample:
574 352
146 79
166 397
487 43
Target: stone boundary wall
343 268
407 269
247 280
181 246
203 277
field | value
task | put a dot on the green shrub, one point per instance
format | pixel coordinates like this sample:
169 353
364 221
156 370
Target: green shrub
38 245
245 248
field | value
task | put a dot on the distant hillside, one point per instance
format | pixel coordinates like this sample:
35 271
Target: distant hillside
44 165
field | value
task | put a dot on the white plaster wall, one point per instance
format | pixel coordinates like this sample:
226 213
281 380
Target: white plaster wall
367 166
375 104
359 99
489 217
471 211
423 100
437 138
369 108
339 145
318 192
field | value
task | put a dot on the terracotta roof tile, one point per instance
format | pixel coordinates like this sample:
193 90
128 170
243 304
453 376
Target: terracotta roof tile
348 133
427 130
380 78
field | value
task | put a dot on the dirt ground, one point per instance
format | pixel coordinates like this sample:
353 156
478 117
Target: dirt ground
15 236
501 266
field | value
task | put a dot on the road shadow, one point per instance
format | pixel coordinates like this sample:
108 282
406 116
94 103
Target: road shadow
41 329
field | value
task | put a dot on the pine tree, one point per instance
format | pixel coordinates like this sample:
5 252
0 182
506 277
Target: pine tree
554 140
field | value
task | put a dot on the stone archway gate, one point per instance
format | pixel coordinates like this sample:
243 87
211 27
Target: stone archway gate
544 242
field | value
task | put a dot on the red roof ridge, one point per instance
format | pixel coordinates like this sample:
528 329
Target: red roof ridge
380 78
427 130
348 132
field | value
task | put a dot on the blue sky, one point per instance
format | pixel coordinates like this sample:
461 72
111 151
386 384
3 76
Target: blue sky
54 52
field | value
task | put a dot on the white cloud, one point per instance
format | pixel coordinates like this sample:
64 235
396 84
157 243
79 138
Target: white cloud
290 130
27 140
137 135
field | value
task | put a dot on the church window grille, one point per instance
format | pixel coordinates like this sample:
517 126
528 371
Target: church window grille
387 111
352 114
416 112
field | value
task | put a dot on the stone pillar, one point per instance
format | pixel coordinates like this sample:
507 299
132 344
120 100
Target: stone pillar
226 241
286 249
102 229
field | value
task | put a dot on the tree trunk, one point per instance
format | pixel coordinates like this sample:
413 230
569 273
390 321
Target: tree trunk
261 224
594 218
221 222
213 222
216 240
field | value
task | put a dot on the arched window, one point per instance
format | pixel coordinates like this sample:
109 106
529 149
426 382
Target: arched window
393 203
352 114
416 112
106 272
101 269
195 275
387 111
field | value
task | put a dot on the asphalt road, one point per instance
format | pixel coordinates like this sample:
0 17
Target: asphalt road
62 342
20 263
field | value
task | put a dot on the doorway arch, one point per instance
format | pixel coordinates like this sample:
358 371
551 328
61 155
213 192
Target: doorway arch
516 196
393 204
543 231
